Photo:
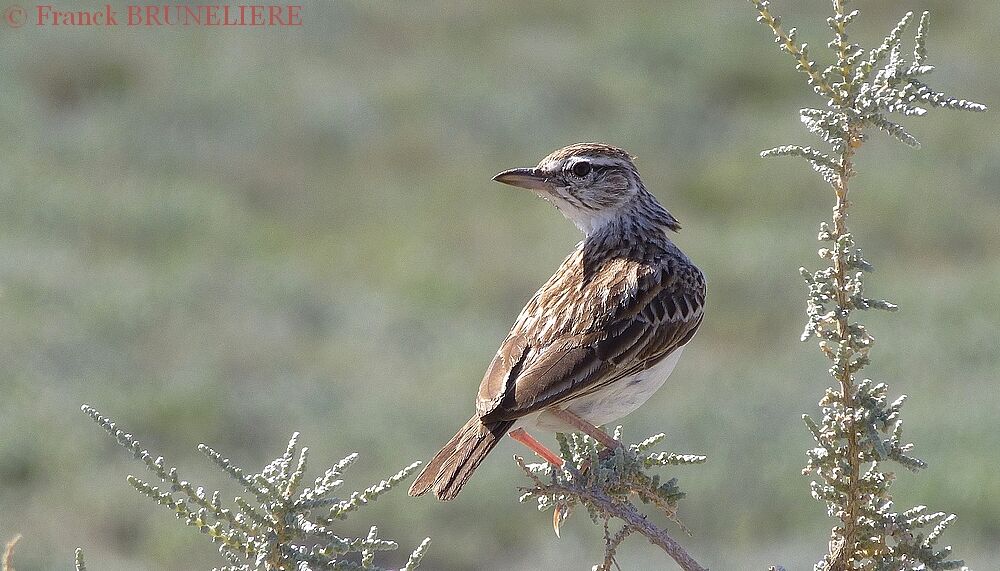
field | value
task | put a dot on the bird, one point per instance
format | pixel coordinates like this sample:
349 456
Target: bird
602 335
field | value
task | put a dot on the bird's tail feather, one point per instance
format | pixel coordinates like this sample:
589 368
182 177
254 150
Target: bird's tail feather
449 469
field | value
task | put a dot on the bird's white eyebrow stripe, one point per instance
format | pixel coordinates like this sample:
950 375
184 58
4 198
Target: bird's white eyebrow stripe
602 161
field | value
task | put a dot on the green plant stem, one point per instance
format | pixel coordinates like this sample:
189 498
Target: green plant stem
638 521
843 67
275 558
609 505
840 556
849 518
859 429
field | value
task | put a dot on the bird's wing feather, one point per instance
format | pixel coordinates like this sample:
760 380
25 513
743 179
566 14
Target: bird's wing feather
502 372
660 315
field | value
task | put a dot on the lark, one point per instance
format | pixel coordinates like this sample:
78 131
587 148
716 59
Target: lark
601 335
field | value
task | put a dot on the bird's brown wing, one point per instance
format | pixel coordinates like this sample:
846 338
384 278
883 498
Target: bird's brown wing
529 373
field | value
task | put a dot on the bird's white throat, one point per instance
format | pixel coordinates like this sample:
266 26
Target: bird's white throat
590 222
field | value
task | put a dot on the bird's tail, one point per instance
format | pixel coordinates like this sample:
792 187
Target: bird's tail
454 464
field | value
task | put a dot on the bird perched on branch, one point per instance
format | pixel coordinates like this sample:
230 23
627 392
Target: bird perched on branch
601 335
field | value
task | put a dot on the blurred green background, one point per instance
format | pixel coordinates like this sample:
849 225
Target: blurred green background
227 235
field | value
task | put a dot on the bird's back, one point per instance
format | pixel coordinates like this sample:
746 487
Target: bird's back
610 309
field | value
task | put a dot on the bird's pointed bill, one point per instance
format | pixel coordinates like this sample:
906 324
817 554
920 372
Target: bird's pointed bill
530 178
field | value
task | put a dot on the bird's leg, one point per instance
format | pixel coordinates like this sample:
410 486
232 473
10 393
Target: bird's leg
522 436
585 427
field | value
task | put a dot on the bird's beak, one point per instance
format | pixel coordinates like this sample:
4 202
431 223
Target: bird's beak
530 178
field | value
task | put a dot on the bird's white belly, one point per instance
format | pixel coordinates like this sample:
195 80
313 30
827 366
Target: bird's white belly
616 400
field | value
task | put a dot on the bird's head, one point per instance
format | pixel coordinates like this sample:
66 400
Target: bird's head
593 185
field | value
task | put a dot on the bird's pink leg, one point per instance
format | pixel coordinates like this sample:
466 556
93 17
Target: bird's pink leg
585 427
537 447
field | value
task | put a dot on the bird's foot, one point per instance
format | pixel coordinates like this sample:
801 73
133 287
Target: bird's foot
585 427
522 436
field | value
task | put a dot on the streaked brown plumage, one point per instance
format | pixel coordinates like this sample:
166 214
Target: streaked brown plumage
603 333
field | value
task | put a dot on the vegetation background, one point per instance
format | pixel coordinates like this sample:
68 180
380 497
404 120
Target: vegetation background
225 235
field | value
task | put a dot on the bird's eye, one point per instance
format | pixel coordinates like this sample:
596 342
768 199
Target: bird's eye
581 168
